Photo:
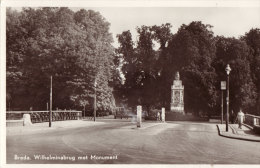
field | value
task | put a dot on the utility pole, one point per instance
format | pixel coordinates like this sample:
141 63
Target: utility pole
228 69
50 119
221 106
227 103
84 114
95 100
222 87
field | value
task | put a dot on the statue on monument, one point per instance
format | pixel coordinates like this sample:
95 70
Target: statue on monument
177 76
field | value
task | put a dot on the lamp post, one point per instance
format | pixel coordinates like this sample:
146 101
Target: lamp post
223 87
221 106
228 69
95 99
84 114
50 113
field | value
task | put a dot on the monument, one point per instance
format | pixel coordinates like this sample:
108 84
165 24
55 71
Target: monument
177 95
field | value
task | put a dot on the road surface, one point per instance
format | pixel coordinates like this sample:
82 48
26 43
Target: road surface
122 143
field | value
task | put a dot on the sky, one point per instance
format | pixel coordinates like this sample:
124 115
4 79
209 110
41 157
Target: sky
226 21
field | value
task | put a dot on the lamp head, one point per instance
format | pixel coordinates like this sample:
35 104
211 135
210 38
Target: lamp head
95 83
228 69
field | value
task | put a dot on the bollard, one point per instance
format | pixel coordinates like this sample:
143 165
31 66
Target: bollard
139 116
27 120
163 114
78 116
254 123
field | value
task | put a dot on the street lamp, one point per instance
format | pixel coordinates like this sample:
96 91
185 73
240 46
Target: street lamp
84 105
50 112
95 99
223 87
228 69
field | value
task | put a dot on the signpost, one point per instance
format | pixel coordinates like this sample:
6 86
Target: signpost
223 87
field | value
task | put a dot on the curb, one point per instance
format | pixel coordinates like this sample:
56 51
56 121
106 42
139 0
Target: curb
248 126
24 130
234 137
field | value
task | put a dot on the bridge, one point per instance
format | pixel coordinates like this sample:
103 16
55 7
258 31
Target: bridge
43 116
252 120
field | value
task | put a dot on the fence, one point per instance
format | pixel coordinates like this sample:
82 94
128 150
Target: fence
252 120
43 116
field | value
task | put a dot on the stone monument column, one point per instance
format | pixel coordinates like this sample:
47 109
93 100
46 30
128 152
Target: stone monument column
177 95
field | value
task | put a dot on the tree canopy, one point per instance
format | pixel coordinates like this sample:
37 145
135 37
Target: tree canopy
200 57
73 47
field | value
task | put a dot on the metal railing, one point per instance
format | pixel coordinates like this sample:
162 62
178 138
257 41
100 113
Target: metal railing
252 120
43 116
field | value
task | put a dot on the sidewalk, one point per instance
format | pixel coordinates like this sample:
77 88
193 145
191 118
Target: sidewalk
234 132
44 127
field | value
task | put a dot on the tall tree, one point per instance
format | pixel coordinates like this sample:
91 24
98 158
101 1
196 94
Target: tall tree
191 52
75 48
139 67
201 59
15 42
242 89
129 57
252 39
162 34
100 54
146 61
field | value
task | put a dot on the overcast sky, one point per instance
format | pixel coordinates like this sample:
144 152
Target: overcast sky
226 21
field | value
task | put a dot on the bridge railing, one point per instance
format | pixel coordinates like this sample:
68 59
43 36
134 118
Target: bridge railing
252 120
43 116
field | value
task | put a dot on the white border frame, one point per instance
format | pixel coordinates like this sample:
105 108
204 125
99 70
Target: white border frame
97 3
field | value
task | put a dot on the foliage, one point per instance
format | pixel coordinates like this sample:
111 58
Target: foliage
139 66
192 49
242 89
252 38
74 47
201 59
